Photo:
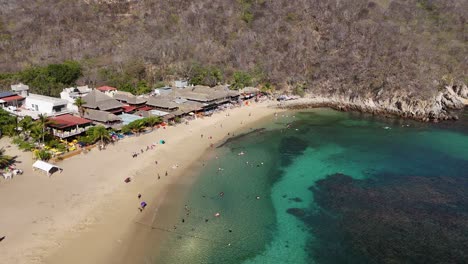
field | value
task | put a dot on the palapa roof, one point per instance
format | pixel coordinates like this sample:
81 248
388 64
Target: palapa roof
129 98
250 90
162 102
98 100
205 94
100 116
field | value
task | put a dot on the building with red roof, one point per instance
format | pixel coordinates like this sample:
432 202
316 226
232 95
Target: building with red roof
106 88
10 98
65 126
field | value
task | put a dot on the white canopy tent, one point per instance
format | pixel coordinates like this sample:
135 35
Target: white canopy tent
47 167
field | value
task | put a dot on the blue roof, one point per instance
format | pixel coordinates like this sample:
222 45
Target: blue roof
128 118
6 94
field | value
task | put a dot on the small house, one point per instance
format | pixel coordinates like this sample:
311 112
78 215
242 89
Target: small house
108 90
11 99
104 118
65 126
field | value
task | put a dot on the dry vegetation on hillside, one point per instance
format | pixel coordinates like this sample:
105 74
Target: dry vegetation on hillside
330 46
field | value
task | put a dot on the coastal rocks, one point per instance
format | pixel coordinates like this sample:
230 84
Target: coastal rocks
433 108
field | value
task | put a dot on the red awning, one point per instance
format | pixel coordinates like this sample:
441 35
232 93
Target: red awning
128 108
145 108
12 98
106 88
67 120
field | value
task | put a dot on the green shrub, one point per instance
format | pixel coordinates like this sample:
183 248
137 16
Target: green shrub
241 80
23 145
43 155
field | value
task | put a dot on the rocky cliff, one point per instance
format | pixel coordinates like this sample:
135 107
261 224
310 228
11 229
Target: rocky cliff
440 107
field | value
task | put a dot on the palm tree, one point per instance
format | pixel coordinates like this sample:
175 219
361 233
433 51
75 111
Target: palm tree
43 122
137 126
79 102
152 120
4 159
26 125
102 134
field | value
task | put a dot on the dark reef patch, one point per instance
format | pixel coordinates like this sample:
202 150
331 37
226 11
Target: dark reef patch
298 212
291 147
296 199
241 136
393 219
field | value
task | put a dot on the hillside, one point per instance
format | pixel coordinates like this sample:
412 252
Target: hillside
352 49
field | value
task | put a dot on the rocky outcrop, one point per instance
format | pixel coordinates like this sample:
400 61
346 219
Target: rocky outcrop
436 108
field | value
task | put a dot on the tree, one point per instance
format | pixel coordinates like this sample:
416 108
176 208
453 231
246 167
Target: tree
43 121
26 124
101 133
79 102
137 126
4 159
152 120
241 80
7 123
43 155
209 75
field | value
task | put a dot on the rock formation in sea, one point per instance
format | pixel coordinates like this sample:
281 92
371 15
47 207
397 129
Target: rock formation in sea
441 105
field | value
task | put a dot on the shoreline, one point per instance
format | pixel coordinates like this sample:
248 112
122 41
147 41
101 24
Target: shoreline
441 109
86 214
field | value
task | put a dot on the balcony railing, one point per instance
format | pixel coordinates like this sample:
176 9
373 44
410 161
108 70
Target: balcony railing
73 132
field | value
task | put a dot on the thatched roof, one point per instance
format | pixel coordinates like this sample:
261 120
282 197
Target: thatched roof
100 101
129 98
162 102
100 116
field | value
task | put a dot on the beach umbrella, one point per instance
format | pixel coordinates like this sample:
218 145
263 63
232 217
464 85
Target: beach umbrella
162 141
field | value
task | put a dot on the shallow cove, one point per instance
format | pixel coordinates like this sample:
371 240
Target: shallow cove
288 198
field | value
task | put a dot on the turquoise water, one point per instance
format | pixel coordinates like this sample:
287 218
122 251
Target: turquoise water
329 187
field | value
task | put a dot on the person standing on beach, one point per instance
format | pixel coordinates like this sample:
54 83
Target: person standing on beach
166 173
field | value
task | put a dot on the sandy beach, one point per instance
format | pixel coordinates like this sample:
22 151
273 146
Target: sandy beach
87 213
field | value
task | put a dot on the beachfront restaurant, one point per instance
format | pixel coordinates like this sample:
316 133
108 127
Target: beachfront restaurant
66 126
162 103
97 100
103 118
129 99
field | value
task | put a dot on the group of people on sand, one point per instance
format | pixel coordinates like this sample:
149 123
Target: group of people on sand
149 147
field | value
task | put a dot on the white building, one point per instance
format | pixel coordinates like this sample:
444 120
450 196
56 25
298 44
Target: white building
20 89
181 84
70 95
47 105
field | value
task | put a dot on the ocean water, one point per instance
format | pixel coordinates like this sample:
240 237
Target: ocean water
323 186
